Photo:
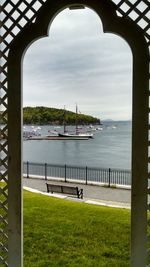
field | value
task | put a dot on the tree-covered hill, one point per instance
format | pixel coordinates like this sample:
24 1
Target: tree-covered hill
45 115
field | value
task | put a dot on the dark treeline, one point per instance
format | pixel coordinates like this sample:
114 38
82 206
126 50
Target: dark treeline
45 115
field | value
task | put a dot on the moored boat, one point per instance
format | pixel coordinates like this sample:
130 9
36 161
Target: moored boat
77 133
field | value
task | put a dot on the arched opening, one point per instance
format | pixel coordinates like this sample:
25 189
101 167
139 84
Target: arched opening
81 75
139 168
81 65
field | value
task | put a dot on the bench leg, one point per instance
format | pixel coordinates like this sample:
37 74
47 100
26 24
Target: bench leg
81 193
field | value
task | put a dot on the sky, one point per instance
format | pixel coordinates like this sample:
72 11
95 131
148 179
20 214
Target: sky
79 64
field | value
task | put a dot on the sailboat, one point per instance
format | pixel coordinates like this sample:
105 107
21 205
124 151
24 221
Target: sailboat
77 134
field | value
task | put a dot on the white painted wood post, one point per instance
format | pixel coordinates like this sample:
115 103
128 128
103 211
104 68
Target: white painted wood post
15 222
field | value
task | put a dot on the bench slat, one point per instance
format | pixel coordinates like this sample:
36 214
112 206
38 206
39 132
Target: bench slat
70 190
54 188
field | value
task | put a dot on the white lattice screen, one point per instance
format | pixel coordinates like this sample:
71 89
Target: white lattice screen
14 16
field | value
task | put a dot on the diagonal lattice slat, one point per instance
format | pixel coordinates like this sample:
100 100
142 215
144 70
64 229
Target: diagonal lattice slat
139 12
15 14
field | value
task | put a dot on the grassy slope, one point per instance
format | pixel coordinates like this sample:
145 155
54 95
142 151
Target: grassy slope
63 233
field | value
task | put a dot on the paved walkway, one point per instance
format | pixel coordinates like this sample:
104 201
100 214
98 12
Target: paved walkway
114 197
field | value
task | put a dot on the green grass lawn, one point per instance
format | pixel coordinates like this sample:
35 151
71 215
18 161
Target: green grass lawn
61 233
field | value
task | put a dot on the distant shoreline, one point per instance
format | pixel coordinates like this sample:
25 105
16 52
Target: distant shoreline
53 116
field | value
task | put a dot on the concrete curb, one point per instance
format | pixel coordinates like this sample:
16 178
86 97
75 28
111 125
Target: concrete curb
86 200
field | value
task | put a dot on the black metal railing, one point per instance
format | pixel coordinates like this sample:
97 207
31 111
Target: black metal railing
87 175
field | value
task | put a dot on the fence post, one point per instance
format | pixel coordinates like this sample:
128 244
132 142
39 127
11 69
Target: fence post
109 177
86 177
27 169
65 173
45 171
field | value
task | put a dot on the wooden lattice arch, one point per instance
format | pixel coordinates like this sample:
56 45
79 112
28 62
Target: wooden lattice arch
15 16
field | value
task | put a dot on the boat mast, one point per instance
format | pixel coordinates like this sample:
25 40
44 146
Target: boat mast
65 120
76 119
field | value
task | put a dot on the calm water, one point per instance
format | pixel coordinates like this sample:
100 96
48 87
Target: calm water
110 147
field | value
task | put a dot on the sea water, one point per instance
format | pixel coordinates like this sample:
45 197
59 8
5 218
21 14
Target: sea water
110 147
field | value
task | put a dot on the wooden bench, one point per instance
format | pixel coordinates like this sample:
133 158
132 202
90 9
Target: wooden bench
63 189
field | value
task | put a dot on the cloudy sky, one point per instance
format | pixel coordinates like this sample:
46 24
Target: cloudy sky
80 64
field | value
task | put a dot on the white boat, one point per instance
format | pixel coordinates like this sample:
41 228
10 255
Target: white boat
77 133
30 133
99 129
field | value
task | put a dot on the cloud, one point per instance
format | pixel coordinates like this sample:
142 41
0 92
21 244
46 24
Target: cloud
78 63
